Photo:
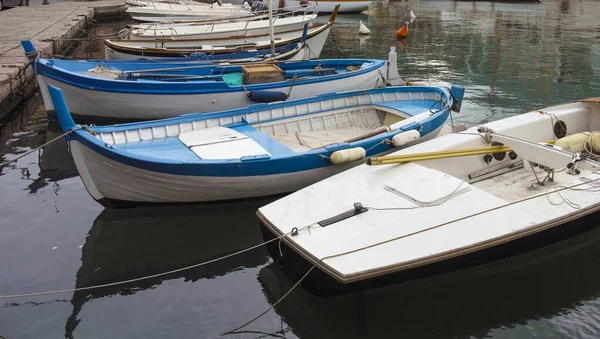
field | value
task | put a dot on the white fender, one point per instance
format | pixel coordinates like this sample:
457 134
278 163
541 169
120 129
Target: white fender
348 155
404 138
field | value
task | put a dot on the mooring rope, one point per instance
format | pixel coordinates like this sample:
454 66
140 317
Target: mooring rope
122 282
47 143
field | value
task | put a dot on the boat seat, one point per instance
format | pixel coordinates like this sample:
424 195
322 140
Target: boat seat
234 141
162 148
268 143
409 107
221 143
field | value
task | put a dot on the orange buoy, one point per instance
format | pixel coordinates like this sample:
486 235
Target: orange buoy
402 32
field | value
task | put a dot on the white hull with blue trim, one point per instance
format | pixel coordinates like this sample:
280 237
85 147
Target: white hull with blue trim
142 99
158 49
255 151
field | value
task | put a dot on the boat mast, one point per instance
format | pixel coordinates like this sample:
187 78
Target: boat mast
271 28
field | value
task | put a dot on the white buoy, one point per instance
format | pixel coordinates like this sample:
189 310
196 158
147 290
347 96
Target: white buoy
405 138
412 16
362 29
348 155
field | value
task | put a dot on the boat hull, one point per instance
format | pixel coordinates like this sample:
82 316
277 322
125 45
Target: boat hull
113 183
320 283
314 47
329 6
84 102
256 28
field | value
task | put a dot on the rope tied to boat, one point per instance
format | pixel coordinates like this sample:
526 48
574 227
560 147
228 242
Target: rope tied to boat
385 82
84 127
122 282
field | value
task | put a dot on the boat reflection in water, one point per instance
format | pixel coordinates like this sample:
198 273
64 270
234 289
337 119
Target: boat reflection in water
126 244
55 160
553 281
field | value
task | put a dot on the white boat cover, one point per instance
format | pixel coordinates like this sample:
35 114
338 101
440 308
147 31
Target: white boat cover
221 143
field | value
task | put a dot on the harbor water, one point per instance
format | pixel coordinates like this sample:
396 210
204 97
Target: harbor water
510 57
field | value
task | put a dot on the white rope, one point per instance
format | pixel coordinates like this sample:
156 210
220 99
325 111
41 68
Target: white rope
122 282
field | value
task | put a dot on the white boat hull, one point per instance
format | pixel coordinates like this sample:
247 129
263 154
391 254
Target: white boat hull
113 105
200 10
108 179
314 47
219 31
329 6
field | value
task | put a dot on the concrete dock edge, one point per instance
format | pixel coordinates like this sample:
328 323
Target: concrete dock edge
52 29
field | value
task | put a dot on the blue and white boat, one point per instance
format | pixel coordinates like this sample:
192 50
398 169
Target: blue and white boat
260 150
162 90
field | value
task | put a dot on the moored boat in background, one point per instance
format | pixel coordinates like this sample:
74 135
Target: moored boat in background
135 91
197 10
125 49
219 30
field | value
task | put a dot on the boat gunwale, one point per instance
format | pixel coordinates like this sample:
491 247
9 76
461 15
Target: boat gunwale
189 88
255 108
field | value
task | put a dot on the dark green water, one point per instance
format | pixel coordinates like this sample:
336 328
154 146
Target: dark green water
511 58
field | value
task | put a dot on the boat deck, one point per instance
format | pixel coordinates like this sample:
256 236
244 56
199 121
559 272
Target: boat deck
520 183
430 215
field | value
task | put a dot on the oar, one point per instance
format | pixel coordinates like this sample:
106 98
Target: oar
399 159
194 67
403 158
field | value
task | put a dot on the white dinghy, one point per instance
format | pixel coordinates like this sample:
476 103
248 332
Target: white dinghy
197 10
219 30
166 48
461 198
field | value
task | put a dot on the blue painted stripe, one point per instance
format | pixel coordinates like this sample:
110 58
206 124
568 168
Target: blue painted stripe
188 118
280 162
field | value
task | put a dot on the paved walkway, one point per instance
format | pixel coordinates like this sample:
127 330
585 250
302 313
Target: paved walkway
41 24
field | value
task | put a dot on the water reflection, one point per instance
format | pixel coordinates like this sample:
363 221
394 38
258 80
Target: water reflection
472 302
22 128
131 243
55 160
